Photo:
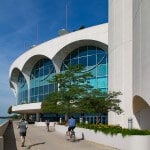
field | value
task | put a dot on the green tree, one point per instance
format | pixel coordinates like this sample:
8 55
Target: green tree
16 116
99 102
9 110
72 87
76 95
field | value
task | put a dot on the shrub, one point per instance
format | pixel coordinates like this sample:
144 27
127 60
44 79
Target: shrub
113 129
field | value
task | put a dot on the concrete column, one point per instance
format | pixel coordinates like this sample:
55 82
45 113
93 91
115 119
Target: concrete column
120 58
25 116
37 117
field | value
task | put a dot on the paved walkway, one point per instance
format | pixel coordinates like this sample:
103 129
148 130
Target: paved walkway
39 139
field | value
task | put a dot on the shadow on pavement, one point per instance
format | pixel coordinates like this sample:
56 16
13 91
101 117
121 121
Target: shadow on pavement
35 145
77 139
9 138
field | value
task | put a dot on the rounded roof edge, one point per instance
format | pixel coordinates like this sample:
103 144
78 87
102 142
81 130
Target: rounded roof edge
52 47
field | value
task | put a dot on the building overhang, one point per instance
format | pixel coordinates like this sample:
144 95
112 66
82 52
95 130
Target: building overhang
31 108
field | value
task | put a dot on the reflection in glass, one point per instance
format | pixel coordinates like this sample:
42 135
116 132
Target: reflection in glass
42 71
22 89
95 60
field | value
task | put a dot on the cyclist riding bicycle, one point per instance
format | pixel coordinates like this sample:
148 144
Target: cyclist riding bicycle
71 125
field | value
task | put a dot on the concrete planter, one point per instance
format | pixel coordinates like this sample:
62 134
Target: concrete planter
135 142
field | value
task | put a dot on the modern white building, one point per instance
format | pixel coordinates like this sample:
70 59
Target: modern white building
129 61
29 72
125 42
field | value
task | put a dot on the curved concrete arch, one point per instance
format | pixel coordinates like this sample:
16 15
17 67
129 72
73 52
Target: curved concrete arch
14 76
29 64
141 110
52 47
13 89
14 79
59 57
139 104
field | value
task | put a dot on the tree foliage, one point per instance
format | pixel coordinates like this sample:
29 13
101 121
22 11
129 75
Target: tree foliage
100 102
9 110
72 87
76 95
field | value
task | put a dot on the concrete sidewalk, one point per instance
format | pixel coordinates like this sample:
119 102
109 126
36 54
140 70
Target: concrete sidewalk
39 139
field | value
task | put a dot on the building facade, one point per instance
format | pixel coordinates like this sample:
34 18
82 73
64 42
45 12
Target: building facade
127 40
129 61
29 74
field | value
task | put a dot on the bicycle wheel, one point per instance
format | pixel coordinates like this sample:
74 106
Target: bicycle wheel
72 137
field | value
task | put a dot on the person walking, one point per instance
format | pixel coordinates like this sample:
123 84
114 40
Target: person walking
47 125
23 129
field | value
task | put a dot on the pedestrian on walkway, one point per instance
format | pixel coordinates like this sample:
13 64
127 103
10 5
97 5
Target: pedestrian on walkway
47 125
23 129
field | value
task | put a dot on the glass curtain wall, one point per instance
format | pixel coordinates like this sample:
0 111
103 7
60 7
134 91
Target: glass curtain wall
94 60
39 85
22 90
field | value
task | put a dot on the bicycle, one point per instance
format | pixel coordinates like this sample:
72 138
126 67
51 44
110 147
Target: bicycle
71 135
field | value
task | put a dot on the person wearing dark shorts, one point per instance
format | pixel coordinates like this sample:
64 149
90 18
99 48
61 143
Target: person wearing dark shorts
71 128
23 129
71 125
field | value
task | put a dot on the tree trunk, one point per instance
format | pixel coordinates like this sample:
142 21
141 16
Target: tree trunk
66 117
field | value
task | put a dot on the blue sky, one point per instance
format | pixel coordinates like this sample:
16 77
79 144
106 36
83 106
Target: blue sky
24 23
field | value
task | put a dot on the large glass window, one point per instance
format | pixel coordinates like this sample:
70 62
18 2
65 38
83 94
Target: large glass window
22 90
42 71
95 60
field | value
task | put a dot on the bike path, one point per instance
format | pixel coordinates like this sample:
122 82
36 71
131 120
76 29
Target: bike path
39 139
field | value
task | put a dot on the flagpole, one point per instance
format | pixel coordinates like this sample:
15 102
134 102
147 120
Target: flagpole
66 14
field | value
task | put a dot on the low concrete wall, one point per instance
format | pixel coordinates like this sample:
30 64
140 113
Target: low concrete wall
2 131
117 141
51 125
44 124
